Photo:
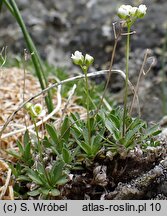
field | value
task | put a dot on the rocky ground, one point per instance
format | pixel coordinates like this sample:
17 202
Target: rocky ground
58 28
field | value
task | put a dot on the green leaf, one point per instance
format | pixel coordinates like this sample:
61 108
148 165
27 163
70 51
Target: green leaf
101 115
20 146
56 171
59 147
75 152
75 119
85 147
95 148
85 135
92 123
14 153
115 120
99 136
44 191
113 130
134 123
26 139
23 178
34 193
27 152
66 155
77 122
76 132
52 132
62 180
40 168
55 192
46 142
97 144
42 174
16 170
55 151
34 176
156 132
132 134
65 129
153 131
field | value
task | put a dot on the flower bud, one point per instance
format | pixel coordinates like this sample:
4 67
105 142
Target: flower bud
133 11
78 58
28 105
38 108
141 12
88 60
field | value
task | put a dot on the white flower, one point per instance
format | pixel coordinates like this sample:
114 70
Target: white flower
83 61
35 110
88 60
38 110
141 12
133 11
124 11
77 58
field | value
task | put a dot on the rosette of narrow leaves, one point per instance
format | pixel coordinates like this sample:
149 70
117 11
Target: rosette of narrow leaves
47 182
24 153
137 132
79 130
23 160
59 141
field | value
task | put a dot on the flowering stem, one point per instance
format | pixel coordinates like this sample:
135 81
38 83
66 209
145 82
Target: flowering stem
126 80
38 140
87 103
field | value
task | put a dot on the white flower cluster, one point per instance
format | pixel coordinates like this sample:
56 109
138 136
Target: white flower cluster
127 11
79 59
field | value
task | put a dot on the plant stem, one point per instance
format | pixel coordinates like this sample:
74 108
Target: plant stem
126 80
87 105
38 140
110 68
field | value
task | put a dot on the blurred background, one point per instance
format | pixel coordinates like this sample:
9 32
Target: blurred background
60 27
